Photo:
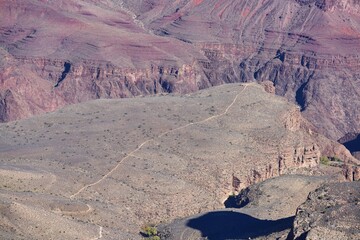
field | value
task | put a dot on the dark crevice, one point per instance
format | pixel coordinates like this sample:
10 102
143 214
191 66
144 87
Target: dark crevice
67 67
98 73
161 32
166 86
257 74
155 87
280 55
183 40
300 96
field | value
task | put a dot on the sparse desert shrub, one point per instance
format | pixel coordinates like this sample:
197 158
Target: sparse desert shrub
324 160
330 160
150 232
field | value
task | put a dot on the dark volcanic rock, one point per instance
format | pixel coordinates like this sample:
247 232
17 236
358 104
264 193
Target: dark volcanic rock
331 212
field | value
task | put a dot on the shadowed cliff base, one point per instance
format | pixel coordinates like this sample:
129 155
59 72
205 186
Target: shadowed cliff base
352 142
231 202
353 145
234 225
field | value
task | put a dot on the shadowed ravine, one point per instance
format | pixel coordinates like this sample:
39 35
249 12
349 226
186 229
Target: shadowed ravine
67 67
353 145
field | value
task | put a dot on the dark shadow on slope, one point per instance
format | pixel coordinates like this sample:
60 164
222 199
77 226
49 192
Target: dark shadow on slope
231 202
353 145
236 202
300 96
67 67
233 225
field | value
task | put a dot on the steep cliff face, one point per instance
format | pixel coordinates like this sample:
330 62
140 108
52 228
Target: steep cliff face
289 159
106 80
62 82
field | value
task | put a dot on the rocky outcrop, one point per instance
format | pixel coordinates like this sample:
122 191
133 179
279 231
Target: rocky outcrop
268 86
351 173
130 81
288 160
332 211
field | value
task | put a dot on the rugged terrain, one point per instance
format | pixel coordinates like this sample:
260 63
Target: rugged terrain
55 53
105 168
332 211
